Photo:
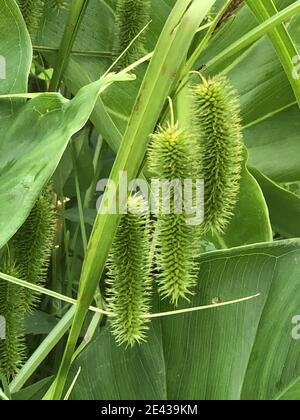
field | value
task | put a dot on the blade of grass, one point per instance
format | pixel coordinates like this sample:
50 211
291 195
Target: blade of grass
281 40
79 200
42 352
203 44
253 36
68 394
3 396
161 75
82 53
47 292
77 11
202 308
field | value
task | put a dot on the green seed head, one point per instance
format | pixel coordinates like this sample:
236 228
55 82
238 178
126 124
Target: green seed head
32 11
220 138
131 17
33 244
129 294
12 308
26 259
173 155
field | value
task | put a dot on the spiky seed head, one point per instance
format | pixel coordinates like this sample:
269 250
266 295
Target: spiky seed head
173 156
129 293
217 118
12 309
132 16
32 11
33 244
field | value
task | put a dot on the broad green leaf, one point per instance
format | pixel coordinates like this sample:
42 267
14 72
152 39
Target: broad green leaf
250 223
39 323
15 60
33 146
284 206
274 146
79 152
244 351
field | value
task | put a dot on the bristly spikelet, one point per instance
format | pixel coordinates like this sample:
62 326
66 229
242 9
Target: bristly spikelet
219 129
131 17
59 5
32 11
33 243
12 309
172 156
129 294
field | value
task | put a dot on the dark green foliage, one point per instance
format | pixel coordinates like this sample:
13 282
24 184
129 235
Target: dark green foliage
129 292
131 17
172 156
12 308
220 134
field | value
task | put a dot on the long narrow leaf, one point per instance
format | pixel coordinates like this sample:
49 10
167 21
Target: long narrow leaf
281 40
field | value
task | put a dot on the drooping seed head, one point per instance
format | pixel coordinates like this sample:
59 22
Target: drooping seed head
218 124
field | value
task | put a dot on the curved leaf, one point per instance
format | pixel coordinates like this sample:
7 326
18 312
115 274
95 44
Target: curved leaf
33 146
244 351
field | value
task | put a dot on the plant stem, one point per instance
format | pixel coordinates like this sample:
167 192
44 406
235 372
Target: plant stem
77 11
203 44
82 53
281 40
79 200
253 36
42 351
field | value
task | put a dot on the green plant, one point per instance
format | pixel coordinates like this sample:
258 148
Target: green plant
132 17
32 11
129 273
12 308
220 135
88 118
27 258
174 158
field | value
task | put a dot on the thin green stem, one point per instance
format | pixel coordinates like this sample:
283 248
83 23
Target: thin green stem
3 396
5 385
202 308
77 11
97 169
42 351
79 200
281 40
204 43
253 36
82 53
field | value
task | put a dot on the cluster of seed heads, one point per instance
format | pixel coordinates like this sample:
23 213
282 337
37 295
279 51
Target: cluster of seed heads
213 149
